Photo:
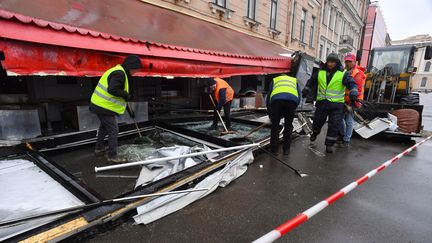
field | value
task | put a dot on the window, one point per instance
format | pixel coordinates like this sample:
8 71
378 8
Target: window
324 19
273 14
335 23
302 25
293 20
221 3
423 82
321 51
343 27
251 4
327 52
312 32
427 67
330 23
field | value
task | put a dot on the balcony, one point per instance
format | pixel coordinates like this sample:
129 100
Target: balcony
222 10
346 44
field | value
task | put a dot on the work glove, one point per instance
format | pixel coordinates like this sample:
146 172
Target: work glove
305 92
353 98
127 97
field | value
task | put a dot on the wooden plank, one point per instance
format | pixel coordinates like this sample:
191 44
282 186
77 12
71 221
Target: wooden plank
57 231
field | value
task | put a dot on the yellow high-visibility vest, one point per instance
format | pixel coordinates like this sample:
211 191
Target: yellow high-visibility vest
102 98
284 84
335 90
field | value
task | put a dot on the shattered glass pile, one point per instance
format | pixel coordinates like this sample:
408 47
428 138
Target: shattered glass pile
160 144
154 140
240 128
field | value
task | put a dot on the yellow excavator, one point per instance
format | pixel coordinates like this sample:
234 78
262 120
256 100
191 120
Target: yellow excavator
389 85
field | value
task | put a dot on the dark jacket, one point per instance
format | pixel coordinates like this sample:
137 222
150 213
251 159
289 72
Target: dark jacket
116 82
282 96
347 80
222 99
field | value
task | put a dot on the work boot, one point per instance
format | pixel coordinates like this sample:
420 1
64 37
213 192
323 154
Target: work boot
344 144
274 150
99 152
329 149
116 159
313 137
286 148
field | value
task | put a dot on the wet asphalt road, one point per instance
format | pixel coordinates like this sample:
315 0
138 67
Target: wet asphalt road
395 206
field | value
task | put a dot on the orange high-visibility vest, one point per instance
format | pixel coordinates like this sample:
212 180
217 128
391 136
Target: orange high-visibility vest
222 84
360 78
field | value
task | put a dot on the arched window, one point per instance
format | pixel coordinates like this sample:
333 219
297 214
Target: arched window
423 81
427 67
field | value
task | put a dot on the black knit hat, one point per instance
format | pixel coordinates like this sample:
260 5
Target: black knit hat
333 57
210 82
132 62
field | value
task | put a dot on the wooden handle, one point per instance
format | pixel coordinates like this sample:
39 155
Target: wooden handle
220 117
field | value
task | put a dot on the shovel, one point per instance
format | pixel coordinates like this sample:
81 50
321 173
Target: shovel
140 139
297 171
220 118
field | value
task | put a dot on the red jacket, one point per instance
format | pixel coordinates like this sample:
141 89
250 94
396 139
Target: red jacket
360 78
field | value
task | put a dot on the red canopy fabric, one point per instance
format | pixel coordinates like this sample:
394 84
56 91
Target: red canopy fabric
36 44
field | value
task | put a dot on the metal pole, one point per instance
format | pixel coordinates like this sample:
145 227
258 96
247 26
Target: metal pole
92 205
111 167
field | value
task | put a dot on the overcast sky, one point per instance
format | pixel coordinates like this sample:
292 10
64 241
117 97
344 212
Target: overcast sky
406 18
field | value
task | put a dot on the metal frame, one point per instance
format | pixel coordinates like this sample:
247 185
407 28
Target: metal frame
179 180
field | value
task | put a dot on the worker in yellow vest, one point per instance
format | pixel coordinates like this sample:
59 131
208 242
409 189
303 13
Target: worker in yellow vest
282 100
331 82
224 94
109 100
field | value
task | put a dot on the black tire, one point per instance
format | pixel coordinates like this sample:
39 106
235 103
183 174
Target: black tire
410 99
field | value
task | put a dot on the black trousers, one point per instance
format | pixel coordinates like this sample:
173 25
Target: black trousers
227 115
108 126
333 111
281 109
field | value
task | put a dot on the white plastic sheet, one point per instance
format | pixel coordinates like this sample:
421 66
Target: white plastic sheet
159 170
26 190
166 205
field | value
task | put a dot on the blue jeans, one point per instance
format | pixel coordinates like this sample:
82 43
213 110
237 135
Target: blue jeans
347 126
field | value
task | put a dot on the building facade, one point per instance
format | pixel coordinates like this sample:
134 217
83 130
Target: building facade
422 80
316 27
375 34
304 26
266 20
341 26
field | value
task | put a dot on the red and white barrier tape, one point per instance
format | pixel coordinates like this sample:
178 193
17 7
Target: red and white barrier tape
303 217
